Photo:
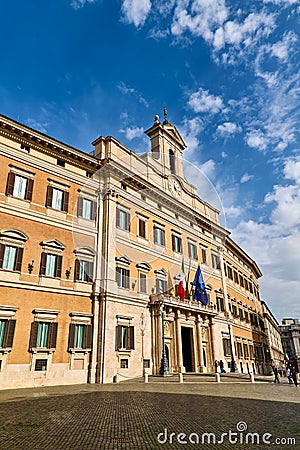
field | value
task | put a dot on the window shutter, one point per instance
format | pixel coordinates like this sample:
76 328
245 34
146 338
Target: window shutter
118 336
180 245
43 263
130 338
87 339
49 196
29 189
163 237
118 276
18 261
10 183
127 278
173 242
33 334
52 335
58 266
65 201
9 333
94 210
71 335
127 221
2 249
142 228
76 270
90 274
79 206
118 217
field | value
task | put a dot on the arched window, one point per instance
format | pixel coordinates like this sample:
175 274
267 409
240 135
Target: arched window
172 161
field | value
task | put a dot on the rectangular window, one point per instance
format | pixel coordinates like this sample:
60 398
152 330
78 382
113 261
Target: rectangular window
246 284
51 265
124 337
159 236
86 208
220 304
7 330
241 315
57 199
80 336
146 364
192 248
142 228
250 287
161 286
11 257
84 270
176 243
123 219
246 316
251 353
123 277
19 186
203 255
142 282
215 259
124 363
43 335
234 310
246 352
241 280
235 276
226 347
40 365
229 272
239 350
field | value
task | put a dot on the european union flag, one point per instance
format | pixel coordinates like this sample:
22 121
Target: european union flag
200 293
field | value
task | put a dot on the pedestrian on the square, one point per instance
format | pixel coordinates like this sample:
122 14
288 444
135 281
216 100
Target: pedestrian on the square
276 375
294 375
216 365
289 375
222 366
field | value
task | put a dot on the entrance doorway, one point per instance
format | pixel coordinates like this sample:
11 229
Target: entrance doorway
187 349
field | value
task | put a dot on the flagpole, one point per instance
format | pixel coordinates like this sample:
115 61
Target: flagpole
188 282
164 366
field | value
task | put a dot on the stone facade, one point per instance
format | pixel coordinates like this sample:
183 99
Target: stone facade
290 336
90 257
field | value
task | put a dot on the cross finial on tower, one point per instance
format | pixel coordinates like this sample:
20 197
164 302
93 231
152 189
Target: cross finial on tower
165 111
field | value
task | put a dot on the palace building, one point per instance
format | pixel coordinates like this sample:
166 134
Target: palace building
91 250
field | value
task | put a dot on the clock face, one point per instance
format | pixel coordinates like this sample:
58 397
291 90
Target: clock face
175 187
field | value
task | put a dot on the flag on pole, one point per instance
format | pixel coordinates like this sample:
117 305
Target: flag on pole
286 357
200 293
182 284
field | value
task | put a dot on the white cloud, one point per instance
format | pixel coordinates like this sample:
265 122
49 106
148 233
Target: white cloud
132 91
257 139
136 11
228 128
203 102
132 133
189 130
275 244
36 125
77 4
245 178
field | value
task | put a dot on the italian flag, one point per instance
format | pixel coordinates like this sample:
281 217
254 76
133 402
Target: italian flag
286 357
182 284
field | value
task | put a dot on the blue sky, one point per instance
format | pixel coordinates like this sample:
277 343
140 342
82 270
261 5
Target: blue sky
229 74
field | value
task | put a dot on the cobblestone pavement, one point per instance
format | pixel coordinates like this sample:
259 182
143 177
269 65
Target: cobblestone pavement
132 416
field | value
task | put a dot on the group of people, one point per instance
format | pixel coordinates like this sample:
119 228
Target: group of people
291 373
219 366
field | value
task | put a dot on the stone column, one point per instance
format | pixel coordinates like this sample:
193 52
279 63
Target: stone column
213 341
199 343
178 342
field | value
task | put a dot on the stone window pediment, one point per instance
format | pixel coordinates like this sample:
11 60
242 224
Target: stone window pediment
52 245
123 260
12 235
143 266
161 272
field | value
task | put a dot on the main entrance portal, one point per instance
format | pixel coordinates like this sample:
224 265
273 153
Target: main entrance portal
187 352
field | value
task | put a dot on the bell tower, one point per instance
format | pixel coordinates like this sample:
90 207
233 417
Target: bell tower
166 145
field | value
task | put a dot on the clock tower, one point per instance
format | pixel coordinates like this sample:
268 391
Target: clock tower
167 146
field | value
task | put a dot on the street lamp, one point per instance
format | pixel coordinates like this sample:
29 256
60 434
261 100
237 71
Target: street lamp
142 329
164 366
